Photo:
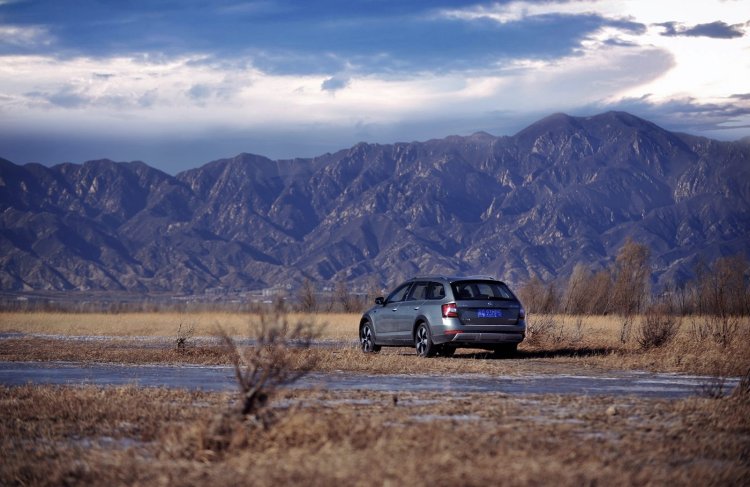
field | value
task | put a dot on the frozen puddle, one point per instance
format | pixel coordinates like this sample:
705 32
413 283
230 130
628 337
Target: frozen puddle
221 378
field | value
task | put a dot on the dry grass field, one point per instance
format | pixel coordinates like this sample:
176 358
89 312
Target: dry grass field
556 340
85 435
331 325
131 436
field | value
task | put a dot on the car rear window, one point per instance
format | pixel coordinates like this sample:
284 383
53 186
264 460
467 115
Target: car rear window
481 290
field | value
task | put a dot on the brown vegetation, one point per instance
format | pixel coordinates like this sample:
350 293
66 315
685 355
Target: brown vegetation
126 436
720 289
272 362
657 328
558 340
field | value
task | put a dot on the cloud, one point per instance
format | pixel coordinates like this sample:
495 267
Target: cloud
715 30
335 84
65 97
518 11
343 71
24 38
199 92
729 115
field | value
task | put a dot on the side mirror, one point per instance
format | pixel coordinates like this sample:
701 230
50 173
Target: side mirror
380 300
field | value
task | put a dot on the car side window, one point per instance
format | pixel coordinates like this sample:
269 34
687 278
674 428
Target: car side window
399 294
435 291
418 292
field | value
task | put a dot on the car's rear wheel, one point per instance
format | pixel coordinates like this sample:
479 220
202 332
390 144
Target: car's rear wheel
423 341
367 339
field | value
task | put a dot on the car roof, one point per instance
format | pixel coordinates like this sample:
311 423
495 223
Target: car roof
454 278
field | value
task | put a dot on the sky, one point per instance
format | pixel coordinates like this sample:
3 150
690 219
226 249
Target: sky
178 83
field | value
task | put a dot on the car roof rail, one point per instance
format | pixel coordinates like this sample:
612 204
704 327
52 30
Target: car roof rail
452 278
479 276
429 276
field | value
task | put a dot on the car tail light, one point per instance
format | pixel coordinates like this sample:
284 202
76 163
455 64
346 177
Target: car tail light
450 310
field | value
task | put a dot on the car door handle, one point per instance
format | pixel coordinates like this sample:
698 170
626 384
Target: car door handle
394 309
416 308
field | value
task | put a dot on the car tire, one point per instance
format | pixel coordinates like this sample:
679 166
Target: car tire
423 341
367 338
505 350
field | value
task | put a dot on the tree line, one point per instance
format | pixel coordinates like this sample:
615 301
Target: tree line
624 288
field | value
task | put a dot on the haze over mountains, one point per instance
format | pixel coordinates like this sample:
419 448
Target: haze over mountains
562 191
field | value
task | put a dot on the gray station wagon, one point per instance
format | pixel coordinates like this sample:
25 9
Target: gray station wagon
436 315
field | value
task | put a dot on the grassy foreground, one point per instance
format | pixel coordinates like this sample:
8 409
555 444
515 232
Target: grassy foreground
126 436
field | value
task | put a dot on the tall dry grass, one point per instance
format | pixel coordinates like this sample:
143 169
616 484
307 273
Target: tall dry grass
336 326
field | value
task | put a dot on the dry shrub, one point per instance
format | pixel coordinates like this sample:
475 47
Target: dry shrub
657 328
185 332
273 362
545 329
722 329
276 359
716 386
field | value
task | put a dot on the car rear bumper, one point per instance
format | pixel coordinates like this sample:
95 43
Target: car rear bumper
479 338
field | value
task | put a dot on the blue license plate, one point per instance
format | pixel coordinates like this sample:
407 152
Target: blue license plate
489 313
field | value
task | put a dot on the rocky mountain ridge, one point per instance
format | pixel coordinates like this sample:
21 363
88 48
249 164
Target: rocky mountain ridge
562 191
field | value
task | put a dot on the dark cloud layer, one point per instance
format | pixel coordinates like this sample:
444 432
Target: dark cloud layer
292 37
716 30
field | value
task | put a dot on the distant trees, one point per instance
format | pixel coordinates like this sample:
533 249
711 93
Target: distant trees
308 302
313 297
631 276
538 296
720 288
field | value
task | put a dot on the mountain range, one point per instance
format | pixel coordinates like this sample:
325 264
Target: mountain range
563 191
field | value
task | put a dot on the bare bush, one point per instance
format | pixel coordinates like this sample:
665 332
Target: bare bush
658 327
277 359
716 385
722 330
185 333
713 387
544 329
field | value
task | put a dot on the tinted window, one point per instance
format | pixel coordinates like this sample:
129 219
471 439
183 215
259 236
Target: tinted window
418 292
399 294
435 291
481 290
